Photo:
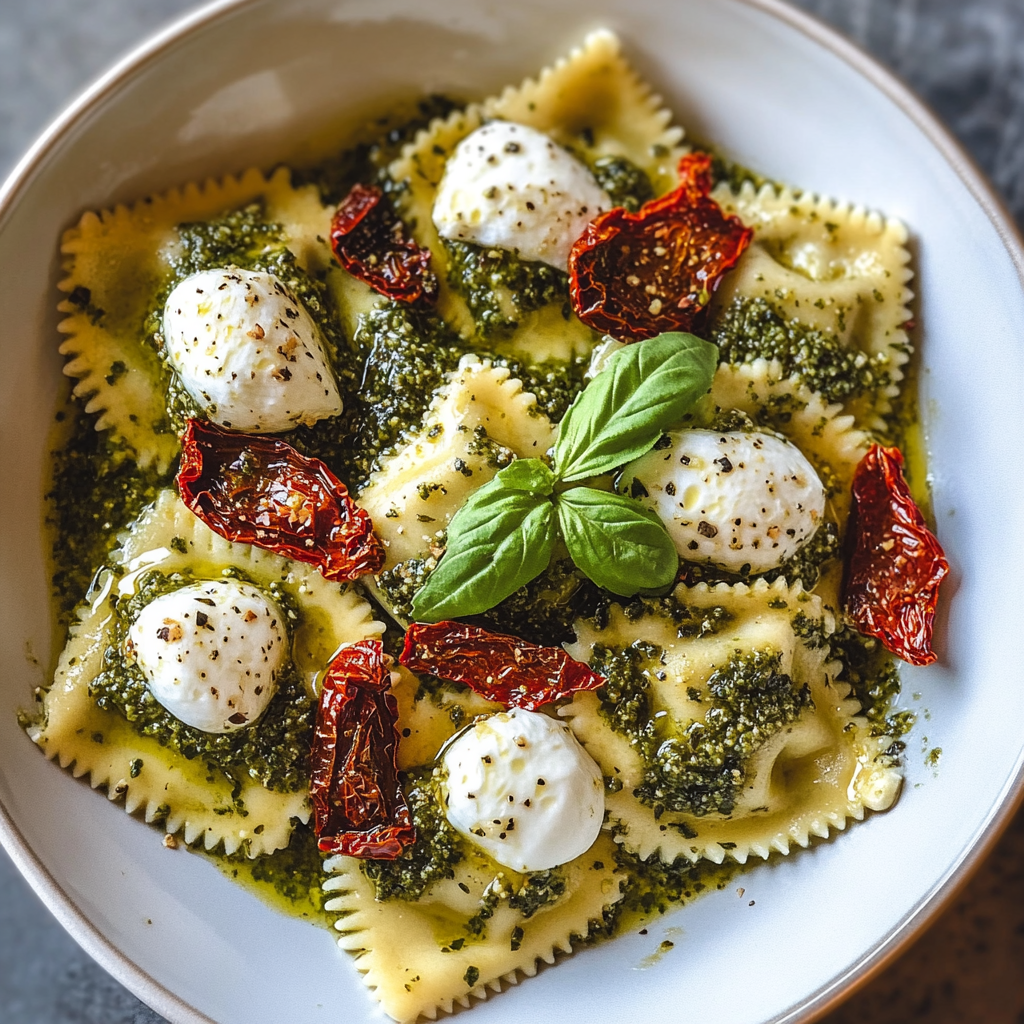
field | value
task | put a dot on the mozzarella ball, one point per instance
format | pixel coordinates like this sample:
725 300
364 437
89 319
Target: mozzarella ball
211 653
519 785
511 187
730 499
248 351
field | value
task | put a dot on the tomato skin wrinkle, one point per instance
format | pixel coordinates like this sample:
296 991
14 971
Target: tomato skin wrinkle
636 275
359 809
259 490
895 563
502 668
369 241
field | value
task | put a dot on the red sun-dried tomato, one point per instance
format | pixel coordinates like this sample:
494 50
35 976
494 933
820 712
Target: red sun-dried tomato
894 562
636 275
359 808
501 668
261 491
369 241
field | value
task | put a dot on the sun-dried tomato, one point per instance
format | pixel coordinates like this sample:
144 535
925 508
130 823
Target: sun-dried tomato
359 808
501 668
895 563
261 491
369 241
636 275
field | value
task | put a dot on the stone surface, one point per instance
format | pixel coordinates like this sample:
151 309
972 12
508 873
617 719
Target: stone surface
967 61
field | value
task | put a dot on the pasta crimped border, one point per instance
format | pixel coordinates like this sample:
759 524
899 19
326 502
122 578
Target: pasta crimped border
591 101
833 266
117 261
403 949
834 759
155 779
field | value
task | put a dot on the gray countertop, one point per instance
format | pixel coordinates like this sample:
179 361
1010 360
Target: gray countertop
965 58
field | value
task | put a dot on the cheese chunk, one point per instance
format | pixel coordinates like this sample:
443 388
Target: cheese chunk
508 186
520 786
248 351
734 500
211 653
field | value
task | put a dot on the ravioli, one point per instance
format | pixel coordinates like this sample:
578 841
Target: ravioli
803 780
593 103
833 268
118 261
188 795
424 957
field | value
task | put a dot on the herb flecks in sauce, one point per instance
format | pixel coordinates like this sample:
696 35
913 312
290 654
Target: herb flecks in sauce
500 288
699 769
435 854
96 489
750 329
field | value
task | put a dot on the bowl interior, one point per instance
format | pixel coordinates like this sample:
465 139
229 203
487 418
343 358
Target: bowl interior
775 98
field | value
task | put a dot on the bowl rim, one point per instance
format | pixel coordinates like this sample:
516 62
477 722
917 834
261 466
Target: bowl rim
172 1006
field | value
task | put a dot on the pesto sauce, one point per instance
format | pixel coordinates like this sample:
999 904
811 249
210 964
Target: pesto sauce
500 288
626 184
874 678
289 880
275 754
655 888
435 854
700 770
95 489
806 565
366 162
750 329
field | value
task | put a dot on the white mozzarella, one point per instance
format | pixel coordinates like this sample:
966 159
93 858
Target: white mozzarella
731 499
511 187
248 351
519 785
211 653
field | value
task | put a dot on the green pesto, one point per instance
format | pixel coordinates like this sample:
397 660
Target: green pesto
500 288
874 676
750 329
434 855
626 184
540 889
701 769
275 753
290 880
400 584
407 354
95 490
653 887
806 565
366 162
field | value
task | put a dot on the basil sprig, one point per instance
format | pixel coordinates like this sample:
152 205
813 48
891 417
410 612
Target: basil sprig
504 535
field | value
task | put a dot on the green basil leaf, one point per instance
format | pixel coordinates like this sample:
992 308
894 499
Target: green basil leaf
615 541
497 542
530 475
643 389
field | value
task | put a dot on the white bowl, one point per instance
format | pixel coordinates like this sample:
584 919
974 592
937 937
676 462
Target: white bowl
779 93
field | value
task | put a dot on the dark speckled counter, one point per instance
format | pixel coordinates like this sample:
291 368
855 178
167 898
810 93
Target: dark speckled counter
966 58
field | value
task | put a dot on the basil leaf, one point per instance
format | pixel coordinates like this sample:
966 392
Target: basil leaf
497 542
642 390
530 475
617 542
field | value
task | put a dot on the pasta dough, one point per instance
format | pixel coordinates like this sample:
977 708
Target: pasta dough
164 785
